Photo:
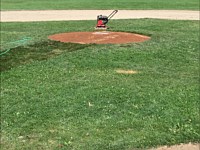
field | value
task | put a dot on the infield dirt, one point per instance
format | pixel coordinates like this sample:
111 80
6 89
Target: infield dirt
103 37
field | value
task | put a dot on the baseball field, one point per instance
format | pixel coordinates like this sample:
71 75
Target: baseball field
129 96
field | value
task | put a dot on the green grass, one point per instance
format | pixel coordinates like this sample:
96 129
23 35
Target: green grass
38 51
45 102
98 4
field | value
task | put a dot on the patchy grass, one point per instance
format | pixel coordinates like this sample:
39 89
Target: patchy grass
77 100
38 51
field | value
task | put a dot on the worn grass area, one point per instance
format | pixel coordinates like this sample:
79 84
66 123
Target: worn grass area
98 4
77 100
39 51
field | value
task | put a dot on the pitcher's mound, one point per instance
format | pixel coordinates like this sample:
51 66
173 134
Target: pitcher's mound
103 37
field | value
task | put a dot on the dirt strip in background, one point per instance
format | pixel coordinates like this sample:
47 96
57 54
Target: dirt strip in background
62 15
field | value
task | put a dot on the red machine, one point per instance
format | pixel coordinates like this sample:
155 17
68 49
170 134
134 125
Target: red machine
103 20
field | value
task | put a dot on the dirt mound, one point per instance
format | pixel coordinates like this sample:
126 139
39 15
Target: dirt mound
101 37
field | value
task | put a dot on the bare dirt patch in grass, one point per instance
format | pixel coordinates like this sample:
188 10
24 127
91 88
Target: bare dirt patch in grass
188 146
121 71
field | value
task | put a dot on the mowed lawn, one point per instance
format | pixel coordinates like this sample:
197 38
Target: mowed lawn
69 96
98 4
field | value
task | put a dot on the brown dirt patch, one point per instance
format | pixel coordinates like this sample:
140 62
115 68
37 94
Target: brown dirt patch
121 71
189 146
99 37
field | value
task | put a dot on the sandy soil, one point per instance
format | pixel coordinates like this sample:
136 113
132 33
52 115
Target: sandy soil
61 15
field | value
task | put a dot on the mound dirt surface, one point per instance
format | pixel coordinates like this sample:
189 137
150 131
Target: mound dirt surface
102 37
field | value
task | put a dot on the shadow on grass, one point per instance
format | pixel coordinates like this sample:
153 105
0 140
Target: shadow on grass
39 51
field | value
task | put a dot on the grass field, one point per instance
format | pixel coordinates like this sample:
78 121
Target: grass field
69 96
98 4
